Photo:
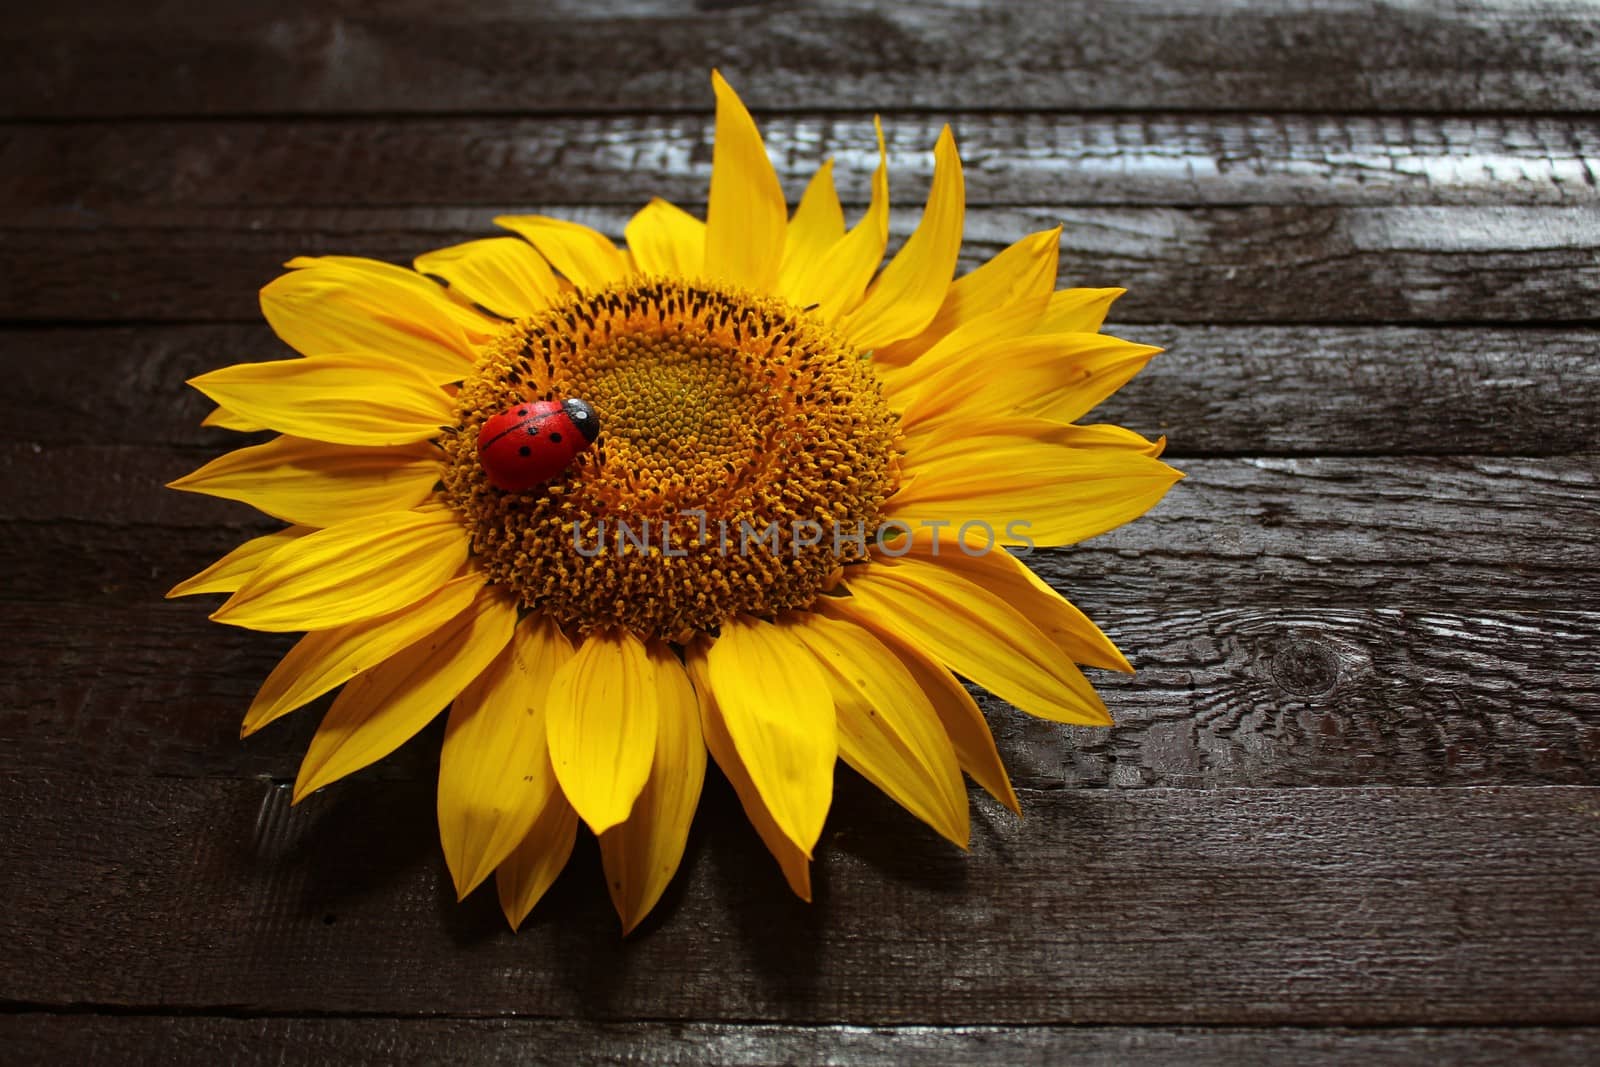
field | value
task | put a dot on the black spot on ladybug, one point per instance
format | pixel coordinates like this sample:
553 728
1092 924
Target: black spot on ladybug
522 411
533 431
555 437
524 451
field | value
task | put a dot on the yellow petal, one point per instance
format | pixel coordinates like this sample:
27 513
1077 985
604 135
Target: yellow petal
346 399
1105 435
474 323
992 567
642 854
931 442
223 419
1075 313
501 274
495 776
888 729
817 225
229 573
533 865
381 709
325 659
1022 272
1007 323
318 484
792 860
357 570
1055 376
1078 310
1052 494
912 287
665 239
584 256
836 281
601 720
776 706
1100 375
973 632
963 722
335 304
746 215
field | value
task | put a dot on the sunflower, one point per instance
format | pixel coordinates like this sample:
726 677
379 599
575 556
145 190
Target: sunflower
834 463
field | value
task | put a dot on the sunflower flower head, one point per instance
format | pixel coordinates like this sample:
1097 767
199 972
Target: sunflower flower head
798 524
724 409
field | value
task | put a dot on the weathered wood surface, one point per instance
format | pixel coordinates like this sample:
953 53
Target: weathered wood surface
1227 696
349 56
161 1040
1242 390
1278 642
1387 906
1263 219
1261 264
73 174
1351 808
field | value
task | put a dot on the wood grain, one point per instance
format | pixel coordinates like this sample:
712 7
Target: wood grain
1295 622
1225 696
1349 812
67 173
1512 264
1304 529
1286 519
1388 906
1251 390
437 57
382 1042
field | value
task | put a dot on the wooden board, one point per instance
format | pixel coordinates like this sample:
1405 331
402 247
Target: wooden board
1194 265
95 485
1280 640
74 174
384 1041
305 56
1229 391
1300 218
1389 906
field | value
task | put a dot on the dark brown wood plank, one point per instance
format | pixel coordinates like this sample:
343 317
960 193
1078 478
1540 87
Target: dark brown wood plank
1388 906
95 58
63 173
1295 622
38 1037
1225 696
1460 518
1203 265
1263 390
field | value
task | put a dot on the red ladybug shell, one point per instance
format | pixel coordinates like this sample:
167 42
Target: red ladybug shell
533 442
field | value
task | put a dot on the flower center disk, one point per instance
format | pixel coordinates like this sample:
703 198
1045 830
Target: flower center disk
711 401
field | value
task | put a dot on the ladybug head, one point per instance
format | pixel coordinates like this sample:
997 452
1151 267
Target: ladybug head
583 417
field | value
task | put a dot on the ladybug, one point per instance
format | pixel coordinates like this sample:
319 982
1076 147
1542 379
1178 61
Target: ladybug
533 442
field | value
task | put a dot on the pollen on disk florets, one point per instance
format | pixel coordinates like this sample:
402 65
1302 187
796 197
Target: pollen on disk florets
725 416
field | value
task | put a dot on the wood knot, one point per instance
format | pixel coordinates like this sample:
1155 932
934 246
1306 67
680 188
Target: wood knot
1305 668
